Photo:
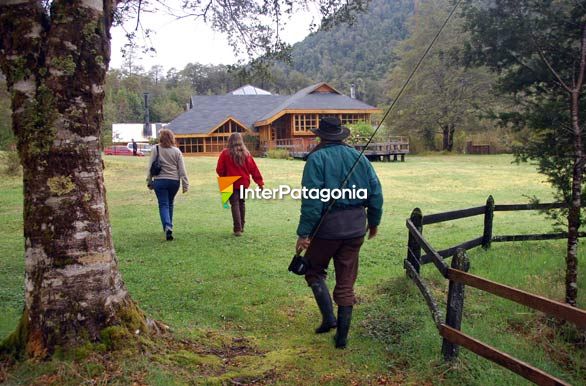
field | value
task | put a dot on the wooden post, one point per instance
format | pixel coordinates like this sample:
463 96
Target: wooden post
488 217
413 247
402 157
455 305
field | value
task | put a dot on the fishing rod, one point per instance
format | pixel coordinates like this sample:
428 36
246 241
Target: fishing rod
393 103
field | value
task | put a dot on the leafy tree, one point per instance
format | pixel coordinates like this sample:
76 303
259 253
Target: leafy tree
538 49
55 55
444 95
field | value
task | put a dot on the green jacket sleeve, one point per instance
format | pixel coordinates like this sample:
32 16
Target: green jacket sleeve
375 198
311 210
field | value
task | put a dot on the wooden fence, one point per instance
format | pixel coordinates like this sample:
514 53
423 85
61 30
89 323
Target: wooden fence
458 277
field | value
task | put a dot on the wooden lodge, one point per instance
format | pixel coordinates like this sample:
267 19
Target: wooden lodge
267 121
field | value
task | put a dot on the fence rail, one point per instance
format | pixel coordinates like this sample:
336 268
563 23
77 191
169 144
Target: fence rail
449 252
536 302
525 370
459 278
454 215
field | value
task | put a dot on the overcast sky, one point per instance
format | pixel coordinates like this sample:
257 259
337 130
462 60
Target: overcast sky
182 41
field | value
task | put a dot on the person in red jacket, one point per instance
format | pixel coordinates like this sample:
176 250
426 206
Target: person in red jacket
236 160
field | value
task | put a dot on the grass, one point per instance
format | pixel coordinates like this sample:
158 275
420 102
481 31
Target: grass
239 317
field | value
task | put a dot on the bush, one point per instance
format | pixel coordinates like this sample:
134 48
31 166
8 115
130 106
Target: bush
278 154
360 132
11 163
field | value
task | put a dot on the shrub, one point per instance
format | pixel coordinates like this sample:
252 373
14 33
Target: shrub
360 132
278 153
11 163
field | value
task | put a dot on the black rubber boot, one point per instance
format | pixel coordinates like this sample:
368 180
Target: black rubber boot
324 302
344 318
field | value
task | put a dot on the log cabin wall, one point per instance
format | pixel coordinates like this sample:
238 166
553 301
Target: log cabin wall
293 130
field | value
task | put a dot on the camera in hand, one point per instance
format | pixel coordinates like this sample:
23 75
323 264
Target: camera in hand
299 265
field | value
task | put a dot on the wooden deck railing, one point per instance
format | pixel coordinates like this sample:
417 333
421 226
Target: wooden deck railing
458 277
394 146
293 145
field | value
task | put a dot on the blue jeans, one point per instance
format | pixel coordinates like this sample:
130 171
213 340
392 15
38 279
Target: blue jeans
166 191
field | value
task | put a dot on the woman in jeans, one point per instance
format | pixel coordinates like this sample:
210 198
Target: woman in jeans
234 161
166 183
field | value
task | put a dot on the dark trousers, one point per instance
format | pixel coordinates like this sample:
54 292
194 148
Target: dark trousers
345 255
238 212
166 190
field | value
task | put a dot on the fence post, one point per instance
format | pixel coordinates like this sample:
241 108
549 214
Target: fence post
455 304
488 216
413 247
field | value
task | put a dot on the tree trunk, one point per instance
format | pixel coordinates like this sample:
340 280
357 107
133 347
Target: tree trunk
448 136
577 173
575 205
451 137
55 64
445 137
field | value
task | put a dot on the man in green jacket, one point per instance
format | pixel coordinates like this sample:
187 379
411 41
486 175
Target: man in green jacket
356 209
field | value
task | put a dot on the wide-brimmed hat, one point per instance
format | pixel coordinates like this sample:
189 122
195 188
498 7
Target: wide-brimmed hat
331 129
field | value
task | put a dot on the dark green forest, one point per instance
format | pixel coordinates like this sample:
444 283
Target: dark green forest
361 53
440 110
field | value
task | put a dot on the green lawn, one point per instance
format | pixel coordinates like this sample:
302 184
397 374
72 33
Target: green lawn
248 320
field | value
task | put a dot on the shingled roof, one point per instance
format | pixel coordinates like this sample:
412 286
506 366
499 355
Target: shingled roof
209 112
309 99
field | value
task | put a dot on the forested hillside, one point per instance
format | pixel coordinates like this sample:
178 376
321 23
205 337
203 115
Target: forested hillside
360 53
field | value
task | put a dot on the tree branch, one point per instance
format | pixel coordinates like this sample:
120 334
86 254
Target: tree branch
138 15
549 66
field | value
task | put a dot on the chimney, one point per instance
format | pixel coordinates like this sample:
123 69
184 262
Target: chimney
352 91
147 130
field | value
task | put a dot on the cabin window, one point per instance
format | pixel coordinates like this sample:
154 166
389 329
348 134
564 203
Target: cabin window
190 145
303 122
349 119
230 127
216 144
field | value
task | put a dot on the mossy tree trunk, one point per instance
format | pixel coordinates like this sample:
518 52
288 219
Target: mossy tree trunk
55 63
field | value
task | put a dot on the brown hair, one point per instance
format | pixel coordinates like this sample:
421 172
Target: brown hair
166 138
237 148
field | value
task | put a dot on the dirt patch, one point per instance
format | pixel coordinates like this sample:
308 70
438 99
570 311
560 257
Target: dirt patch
226 352
238 347
267 378
215 358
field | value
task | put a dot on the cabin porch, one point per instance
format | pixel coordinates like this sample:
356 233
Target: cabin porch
299 147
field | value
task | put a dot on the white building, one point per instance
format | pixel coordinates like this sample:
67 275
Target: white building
125 132
249 90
